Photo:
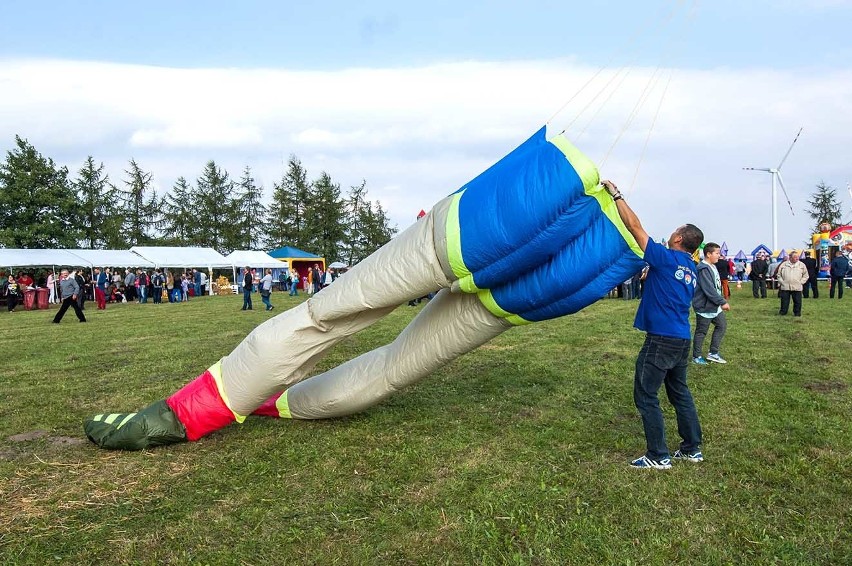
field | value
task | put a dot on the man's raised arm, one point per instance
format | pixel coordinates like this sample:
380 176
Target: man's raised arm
631 221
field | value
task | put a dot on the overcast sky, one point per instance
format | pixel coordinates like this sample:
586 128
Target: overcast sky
418 100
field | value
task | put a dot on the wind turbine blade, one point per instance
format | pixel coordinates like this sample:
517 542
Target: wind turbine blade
755 169
791 148
783 188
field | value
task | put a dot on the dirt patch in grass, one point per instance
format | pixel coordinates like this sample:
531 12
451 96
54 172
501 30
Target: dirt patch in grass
27 436
60 441
826 386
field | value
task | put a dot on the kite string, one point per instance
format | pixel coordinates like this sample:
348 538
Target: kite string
650 130
623 48
643 97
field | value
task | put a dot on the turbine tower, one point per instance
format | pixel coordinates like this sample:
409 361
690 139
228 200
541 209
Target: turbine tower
776 178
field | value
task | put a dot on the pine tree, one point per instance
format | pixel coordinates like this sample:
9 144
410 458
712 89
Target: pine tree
140 207
356 202
324 218
252 212
824 207
179 226
286 218
101 218
38 208
216 212
378 231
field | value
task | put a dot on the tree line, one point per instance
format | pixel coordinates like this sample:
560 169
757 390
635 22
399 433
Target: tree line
43 206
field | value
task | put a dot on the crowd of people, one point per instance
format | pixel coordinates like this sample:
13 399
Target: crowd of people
104 286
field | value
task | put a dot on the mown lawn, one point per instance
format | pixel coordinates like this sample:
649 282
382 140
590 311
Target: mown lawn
515 453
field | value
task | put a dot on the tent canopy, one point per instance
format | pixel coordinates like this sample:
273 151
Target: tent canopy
338 265
761 248
36 258
740 255
182 257
254 258
111 258
71 258
290 252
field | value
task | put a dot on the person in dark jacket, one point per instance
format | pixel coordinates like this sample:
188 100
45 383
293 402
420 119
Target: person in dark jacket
81 294
248 286
759 272
839 267
811 266
709 306
724 270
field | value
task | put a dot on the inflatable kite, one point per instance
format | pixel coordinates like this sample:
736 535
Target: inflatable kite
532 238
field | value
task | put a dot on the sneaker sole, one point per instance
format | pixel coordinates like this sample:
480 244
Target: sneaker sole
716 361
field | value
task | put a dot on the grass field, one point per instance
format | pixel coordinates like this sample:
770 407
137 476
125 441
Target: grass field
516 453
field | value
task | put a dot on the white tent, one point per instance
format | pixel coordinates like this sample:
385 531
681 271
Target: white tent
257 259
253 258
181 257
36 258
111 258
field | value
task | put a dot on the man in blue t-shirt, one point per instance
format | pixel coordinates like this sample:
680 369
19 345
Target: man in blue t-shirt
664 316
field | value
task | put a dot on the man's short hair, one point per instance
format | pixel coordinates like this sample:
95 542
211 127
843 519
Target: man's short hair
710 247
692 237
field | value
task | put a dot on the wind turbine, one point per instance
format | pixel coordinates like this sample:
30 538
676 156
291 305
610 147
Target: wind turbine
776 175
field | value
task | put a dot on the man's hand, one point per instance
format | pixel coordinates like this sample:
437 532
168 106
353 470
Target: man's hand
611 189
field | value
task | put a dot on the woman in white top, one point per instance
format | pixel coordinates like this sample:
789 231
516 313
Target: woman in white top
266 289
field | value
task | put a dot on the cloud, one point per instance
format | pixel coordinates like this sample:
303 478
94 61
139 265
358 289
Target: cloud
417 134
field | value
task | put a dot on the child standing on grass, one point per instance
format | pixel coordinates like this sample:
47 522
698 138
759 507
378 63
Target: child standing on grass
710 307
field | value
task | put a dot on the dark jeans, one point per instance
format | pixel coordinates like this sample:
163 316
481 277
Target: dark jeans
811 284
785 302
11 302
661 361
158 295
836 282
758 285
247 298
702 325
69 302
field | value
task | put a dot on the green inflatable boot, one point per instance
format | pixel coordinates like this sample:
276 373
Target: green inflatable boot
156 425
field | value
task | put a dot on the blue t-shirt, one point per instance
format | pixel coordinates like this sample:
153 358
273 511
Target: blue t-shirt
667 297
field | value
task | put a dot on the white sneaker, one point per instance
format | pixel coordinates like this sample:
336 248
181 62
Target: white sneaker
716 358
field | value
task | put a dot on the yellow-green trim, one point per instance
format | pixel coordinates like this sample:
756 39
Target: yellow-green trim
454 251
124 420
591 185
584 166
111 419
283 406
487 300
216 371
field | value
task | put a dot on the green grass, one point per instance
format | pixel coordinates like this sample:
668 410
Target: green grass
516 453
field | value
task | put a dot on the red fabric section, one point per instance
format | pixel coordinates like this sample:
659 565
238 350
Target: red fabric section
199 407
100 298
268 409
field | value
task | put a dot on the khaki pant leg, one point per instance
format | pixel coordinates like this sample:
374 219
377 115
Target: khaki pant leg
284 349
449 326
